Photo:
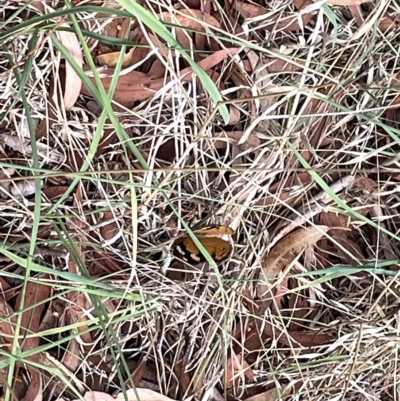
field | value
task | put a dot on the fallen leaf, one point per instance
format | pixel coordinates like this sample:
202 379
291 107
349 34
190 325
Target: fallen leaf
392 112
281 255
388 23
234 115
23 188
7 323
111 59
190 19
184 378
259 333
108 231
271 200
284 252
76 312
272 395
73 83
279 65
136 86
289 22
248 10
30 323
118 27
144 394
356 12
233 137
54 192
237 366
341 231
7 290
23 145
97 396
139 371
300 179
347 2
300 4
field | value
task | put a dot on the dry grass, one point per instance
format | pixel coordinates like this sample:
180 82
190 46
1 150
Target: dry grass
318 146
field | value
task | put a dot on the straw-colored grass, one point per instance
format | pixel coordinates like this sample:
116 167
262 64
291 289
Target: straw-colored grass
318 145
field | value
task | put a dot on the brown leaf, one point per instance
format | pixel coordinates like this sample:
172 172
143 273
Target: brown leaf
284 252
248 10
281 255
7 323
300 308
108 231
256 337
294 180
356 12
270 200
71 358
30 323
144 395
299 4
136 86
392 111
278 65
347 2
190 19
111 59
97 396
272 395
138 373
118 27
289 21
73 83
389 23
251 143
54 192
341 232
76 312
237 366
183 376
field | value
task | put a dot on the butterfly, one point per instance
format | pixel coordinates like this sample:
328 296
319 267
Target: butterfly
219 249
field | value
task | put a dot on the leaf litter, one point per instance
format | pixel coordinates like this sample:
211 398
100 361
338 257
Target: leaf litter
264 322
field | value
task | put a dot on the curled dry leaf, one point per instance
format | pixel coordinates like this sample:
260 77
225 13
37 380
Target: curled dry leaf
111 59
281 255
